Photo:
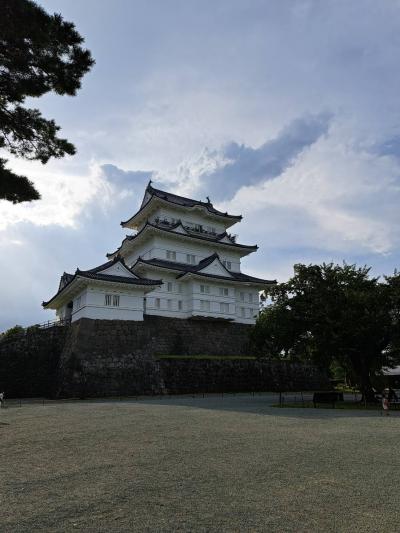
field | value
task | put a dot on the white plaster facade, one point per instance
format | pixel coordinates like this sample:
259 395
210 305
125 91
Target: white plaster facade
108 292
180 262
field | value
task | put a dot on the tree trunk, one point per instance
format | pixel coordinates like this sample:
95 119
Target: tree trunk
362 372
367 391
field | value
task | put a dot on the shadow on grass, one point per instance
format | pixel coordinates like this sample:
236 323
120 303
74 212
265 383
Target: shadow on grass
265 405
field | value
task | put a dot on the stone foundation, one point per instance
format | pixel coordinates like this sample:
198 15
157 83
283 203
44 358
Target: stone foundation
241 375
120 358
29 362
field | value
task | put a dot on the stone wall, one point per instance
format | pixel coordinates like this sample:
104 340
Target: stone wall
116 358
239 375
29 362
161 336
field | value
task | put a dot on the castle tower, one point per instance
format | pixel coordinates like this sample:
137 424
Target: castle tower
181 262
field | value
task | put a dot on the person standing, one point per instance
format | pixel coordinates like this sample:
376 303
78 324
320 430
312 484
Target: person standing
388 395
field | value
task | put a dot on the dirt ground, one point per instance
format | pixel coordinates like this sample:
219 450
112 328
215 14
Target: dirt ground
209 464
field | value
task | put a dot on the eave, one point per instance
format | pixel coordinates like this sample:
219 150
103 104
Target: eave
185 271
261 284
132 240
82 279
144 212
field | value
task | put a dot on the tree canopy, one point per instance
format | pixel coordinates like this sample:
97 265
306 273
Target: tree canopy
39 53
334 314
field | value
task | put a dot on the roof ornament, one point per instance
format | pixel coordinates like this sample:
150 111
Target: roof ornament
208 200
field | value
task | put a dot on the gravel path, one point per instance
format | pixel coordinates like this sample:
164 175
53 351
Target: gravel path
197 464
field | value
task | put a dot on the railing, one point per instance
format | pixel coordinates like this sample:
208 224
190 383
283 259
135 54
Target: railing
168 223
52 323
4 339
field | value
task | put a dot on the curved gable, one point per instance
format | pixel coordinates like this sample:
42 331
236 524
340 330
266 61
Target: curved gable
215 268
118 269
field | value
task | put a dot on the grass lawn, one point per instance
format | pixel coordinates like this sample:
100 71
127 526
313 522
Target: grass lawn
211 464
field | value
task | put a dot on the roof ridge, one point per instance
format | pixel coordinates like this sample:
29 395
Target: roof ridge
180 196
180 200
117 259
194 269
191 234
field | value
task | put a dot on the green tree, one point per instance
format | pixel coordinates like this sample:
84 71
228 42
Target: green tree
15 331
394 295
333 313
39 53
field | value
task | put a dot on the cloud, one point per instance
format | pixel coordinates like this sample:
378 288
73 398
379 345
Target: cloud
243 166
33 256
390 147
323 188
337 203
131 179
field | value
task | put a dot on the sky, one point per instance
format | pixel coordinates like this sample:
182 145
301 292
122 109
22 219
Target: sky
286 112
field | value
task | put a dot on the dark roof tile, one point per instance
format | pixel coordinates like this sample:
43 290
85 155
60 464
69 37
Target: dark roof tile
194 269
215 240
186 202
67 279
182 201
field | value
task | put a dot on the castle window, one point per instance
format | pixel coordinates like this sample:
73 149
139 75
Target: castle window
242 312
169 305
242 296
223 291
107 299
223 307
204 305
116 300
78 302
169 286
157 303
171 255
205 289
191 259
180 305
180 288
198 227
227 264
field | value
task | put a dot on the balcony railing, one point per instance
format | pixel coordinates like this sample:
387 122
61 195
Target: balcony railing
167 223
9 337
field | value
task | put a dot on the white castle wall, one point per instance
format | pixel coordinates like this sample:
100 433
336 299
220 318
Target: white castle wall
157 247
90 303
242 304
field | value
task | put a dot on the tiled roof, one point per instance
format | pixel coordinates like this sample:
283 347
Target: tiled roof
187 202
95 275
118 279
213 239
182 201
64 280
108 264
185 268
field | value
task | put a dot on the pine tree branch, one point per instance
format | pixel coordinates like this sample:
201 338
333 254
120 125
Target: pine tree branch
15 188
